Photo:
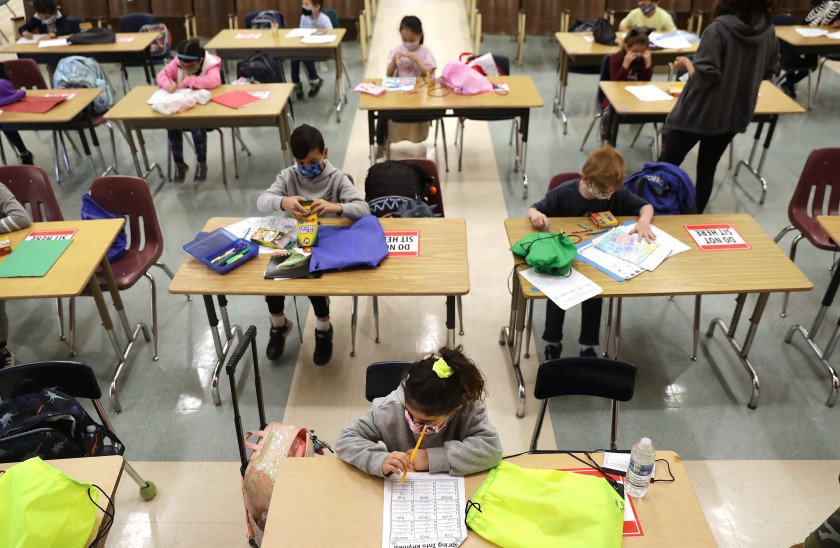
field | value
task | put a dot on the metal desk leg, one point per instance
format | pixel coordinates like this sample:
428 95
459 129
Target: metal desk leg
221 349
608 334
524 121
340 93
149 167
617 327
560 92
450 320
696 327
743 352
528 326
372 135
132 147
756 171
514 340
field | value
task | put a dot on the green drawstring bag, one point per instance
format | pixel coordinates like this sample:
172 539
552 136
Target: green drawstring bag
42 507
525 507
548 253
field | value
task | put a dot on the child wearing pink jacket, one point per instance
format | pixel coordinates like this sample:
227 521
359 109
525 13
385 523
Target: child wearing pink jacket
192 68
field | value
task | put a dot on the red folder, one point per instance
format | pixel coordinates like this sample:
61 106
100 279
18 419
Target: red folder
235 99
37 105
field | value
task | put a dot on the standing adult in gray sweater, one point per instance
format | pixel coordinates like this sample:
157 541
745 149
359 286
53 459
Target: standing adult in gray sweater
739 49
12 217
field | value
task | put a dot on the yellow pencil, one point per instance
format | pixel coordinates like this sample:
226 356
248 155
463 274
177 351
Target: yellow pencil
414 453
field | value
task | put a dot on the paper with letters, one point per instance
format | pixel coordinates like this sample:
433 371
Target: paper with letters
425 510
808 32
565 291
648 93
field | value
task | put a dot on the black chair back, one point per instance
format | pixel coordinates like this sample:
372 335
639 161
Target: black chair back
74 378
382 378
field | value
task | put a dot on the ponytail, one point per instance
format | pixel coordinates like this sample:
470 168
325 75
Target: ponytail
431 391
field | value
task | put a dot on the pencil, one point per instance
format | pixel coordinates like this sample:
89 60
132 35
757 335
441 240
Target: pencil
413 453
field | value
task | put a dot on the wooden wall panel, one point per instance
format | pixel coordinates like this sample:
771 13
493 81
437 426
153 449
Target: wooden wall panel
542 16
584 9
247 6
118 8
84 9
499 16
211 16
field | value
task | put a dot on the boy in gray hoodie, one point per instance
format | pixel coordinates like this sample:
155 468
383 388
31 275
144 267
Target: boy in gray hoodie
333 195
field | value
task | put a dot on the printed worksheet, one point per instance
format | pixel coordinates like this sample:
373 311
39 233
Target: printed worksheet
425 510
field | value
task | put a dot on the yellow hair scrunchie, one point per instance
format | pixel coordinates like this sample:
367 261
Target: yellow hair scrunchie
442 369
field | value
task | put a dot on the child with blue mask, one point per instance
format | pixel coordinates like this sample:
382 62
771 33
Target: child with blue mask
312 177
440 397
648 15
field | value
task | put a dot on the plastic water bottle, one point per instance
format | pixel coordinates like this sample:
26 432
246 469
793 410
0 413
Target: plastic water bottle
640 470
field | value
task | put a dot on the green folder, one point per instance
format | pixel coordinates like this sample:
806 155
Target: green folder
32 258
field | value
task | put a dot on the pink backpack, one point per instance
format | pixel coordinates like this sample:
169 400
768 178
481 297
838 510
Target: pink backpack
464 80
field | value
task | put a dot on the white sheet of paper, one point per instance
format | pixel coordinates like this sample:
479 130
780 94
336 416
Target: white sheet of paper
619 462
35 38
54 43
833 35
648 93
248 36
157 96
299 33
808 32
318 39
260 94
671 42
666 242
124 39
425 510
565 291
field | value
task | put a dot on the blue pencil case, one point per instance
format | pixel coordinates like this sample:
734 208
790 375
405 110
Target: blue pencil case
221 251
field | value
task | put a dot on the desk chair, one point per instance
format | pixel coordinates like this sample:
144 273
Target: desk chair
599 377
73 378
382 378
820 178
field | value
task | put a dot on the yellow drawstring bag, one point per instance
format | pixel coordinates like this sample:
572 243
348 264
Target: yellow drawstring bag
524 507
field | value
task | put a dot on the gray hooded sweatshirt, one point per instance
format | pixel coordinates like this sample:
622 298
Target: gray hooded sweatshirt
331 185
468 444
732 60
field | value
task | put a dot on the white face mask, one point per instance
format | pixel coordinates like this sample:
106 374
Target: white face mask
411 46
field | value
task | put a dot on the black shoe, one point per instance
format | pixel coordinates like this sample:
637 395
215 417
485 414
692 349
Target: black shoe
277 341
315 87
26 158
588 352
298 91
7 359
200 173
180 172
552 352
789 89
323 347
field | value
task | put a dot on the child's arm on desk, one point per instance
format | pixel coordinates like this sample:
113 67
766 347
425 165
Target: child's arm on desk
479 450
12 215
642 227
353 206
358 444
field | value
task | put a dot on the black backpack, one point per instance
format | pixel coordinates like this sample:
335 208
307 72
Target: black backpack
398 189
96 35
261 68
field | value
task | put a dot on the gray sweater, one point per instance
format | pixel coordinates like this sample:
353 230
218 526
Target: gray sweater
468 444
732 60
331 185
12 215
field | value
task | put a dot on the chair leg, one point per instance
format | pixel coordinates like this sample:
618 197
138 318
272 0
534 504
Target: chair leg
60 306
538 425
460 306
597 116
168 272
115 166
224 163
14 15
233 150
445 149
819 77
55 157
792 259
153 300
64 151
72 325
636 137
354 306
376 316
784 231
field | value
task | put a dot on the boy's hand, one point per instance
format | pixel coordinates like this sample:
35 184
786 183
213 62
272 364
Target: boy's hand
27 34
538 219
395 463
171 87
644 230
421 461
322 207
291 205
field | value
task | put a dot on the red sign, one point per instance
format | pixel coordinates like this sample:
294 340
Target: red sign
632 525
716 237
403 243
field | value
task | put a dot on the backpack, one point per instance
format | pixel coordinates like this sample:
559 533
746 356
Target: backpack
162 45
603 33
50 424
266 18
393 189
95 35
260 68
464 80
666 187
76 71
91 210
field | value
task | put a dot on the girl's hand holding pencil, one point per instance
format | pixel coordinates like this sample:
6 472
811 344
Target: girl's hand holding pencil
395 463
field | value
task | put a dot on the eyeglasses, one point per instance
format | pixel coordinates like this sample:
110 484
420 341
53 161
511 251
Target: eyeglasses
597 193
425 423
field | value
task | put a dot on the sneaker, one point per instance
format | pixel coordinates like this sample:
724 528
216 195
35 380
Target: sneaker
323 347
552 352
588 352
277 341
200 173
26 158
789 89
315 87
180 172
298 91
7 359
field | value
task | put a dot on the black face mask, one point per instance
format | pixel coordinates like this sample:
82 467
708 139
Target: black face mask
306 12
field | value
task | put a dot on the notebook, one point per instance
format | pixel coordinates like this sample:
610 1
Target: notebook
37 105
33 258
275 270
235 99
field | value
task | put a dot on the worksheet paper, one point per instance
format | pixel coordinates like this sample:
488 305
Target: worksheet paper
299 33
318 39
425 510
808 32
671 42
648 93
35 38
54 43
564 291
833 35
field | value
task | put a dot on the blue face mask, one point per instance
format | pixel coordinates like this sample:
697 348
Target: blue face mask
309 172
647 10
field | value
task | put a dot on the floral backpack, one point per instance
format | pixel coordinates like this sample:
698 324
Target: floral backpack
163 43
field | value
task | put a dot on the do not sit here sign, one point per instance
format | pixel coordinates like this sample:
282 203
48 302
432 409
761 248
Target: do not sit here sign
713 237
403 243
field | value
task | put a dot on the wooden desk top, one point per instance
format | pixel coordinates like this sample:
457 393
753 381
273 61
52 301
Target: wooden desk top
71 272
576 45
139 42
523 94
771 99
102 471
789 35
226 40
831 224
134 106
441 268
670 514
762 268
63 112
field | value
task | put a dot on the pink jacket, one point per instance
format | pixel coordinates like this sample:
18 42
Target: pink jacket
209 77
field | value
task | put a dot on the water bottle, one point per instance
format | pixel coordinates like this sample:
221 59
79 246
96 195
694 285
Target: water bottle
640 470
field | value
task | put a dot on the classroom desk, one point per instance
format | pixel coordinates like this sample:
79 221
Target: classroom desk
130 47
800 45
762 269
228 46
772 102
75 271
831 224
135 114
428 104
102 471
576 49
670 514
443 248
67 115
